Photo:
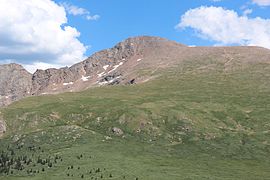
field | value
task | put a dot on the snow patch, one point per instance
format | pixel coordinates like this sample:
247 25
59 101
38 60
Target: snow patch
106 82
111 81
4 97
85 78
115 67
105 67
66 84
101 74
103 83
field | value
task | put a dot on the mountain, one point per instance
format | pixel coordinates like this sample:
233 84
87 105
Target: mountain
134 60
190 113
117 65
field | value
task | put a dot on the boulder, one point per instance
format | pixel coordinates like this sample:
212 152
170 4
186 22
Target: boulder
117 131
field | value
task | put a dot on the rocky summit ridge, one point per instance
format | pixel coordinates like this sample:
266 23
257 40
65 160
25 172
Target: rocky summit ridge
134 60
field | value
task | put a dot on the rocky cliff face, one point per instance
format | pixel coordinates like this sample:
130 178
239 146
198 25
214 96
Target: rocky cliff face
134 60
15 83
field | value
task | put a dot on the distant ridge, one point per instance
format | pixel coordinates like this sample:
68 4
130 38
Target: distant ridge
123 64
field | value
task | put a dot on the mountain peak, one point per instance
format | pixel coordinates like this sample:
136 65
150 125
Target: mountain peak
13 66
146 40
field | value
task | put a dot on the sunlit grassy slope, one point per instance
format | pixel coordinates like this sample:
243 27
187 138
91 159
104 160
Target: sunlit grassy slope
185 124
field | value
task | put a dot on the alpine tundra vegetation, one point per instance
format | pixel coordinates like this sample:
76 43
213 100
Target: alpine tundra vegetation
202 115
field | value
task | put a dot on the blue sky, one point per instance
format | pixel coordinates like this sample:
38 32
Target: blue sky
42 34
121 19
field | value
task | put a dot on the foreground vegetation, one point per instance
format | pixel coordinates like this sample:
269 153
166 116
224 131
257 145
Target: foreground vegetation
183 125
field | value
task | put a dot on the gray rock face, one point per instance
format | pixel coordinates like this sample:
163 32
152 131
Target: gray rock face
15 83
42 79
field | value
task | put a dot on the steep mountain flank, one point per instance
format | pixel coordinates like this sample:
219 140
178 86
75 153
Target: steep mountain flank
15 83
134 60
117 65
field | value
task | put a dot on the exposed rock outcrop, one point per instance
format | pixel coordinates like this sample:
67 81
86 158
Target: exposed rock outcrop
15 83
117 131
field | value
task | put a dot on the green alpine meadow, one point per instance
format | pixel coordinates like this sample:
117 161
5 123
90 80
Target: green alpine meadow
186 123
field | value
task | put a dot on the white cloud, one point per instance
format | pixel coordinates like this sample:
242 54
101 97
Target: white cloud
262 2
39 65
95 17
78 11
36 31
227 27
246 12
74 10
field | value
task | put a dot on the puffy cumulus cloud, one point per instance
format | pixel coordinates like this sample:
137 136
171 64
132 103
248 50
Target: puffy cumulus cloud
262 2
35 33
227 27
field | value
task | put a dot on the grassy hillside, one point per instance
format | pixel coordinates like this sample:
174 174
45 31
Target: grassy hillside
187 124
